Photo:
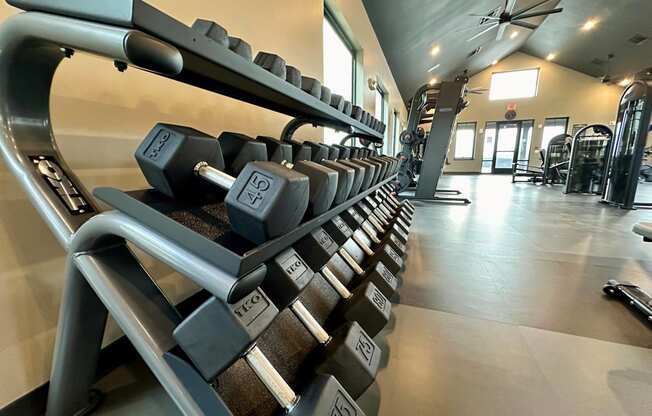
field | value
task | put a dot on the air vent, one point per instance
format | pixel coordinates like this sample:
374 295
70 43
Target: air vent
638 39
474 52
598 61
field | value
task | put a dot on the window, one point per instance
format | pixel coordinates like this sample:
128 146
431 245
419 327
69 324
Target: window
381 114
339 67
396 145
464 141
553 127
514 84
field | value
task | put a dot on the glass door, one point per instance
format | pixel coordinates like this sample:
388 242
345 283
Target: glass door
506 149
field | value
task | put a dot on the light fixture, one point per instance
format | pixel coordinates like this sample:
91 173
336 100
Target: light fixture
435 50
551 56
434 67
589 25
513 35
494 62
625 82
433 81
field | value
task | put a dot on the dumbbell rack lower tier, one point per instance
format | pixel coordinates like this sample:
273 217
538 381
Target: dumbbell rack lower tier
202 226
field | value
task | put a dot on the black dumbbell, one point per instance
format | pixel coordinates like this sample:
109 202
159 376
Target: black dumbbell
323 180
215 335
366 305
357 245
349 353
386 217
264 201
354 220
312 86
272 63
359 171
370 169
346 179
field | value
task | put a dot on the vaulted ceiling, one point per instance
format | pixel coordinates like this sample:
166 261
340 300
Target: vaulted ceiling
409 29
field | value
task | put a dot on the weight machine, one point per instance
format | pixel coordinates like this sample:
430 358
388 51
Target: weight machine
625 158
588 160
425 156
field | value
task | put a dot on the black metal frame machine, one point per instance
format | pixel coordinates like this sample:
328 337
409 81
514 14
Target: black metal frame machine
228 234
557 158
425 156
628 149
554 163
588 160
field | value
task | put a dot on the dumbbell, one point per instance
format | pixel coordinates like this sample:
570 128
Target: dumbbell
357 154
216 335
356 221
396 214
366 304
371 268
219 35
323 180
387 188
264 201
369 169
349 354
359 171
320 154
383 213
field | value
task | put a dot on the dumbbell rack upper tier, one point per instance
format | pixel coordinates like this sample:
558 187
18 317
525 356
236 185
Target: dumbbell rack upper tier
202 226
169 48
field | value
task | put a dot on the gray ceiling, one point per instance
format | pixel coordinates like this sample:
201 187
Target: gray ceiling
407 30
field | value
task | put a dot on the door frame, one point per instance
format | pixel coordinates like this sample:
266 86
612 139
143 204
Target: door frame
515 159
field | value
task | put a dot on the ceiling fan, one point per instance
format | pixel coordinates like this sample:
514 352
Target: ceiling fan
501 17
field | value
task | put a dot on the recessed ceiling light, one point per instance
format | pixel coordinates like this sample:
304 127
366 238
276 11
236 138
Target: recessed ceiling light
625 82
551 56
513 35
435 50
434 67
433 81
495 61
589 25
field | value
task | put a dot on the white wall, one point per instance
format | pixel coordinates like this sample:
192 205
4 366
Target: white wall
562 92
99 117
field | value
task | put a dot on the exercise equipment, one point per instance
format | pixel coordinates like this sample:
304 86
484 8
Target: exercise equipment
193 236
422 158
202 337
366 304
556 160
630 293
265 200
630 140
588 160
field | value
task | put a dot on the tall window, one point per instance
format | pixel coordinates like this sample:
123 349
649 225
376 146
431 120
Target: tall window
514 84
396 145
553 127
380 113
339 66
464 141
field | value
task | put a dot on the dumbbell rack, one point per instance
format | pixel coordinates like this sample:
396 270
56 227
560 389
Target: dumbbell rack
102 274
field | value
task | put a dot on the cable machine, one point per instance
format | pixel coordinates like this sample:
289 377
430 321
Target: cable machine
588 158
625 158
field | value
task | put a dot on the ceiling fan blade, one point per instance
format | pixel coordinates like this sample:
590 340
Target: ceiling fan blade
509 6
524 24
501 31
541 13
464 29
484 16
527 9
477 35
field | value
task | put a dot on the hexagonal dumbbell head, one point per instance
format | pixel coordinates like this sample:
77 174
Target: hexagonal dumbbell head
272 63
212 31
266 200
241 47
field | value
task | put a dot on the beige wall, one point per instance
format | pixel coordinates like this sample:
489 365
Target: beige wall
562 93
99 117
